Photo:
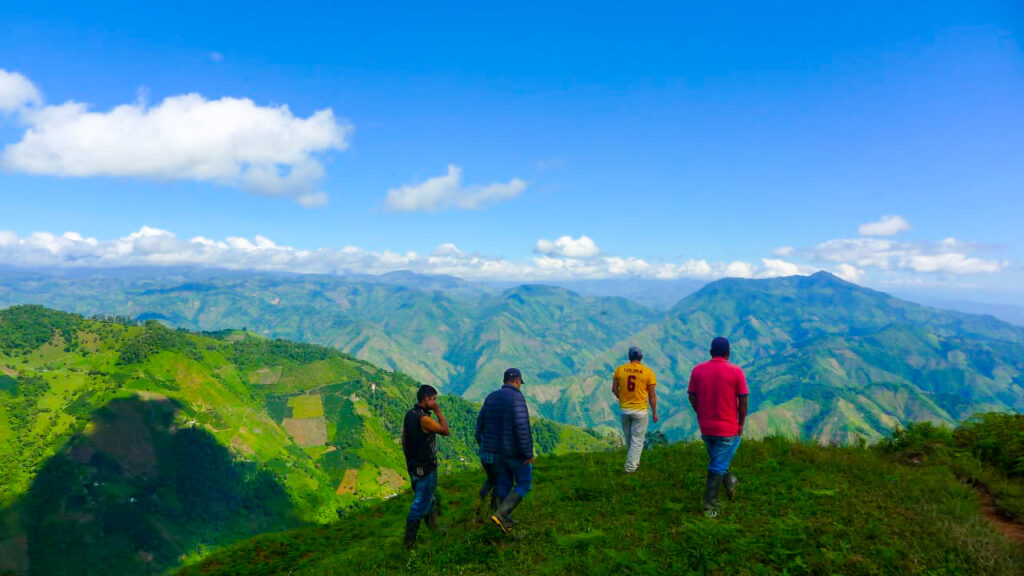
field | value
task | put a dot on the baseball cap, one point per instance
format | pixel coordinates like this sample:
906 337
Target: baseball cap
512 373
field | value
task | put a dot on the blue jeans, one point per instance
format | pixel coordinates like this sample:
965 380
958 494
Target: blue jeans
423 495
512 471
721 449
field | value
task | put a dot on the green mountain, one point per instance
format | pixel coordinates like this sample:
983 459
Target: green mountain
824 358
131 448
442 331
801 509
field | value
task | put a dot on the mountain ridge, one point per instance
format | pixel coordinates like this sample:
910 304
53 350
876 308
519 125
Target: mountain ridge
568 343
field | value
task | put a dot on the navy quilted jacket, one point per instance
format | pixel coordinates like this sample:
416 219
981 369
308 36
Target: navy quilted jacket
503 426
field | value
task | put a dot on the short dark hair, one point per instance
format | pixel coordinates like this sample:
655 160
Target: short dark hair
425 391
719 347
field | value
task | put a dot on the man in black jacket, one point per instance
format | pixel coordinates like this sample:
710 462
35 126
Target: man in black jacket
419 442
503 432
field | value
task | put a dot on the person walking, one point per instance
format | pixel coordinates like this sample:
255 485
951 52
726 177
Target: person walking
718 394
633 384
490 485
503 427
419 443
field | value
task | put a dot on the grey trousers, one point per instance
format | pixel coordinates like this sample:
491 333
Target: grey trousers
634 430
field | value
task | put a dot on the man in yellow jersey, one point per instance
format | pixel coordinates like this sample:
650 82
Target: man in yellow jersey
633 384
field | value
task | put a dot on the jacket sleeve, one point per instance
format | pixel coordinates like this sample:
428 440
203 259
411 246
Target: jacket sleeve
479 427
524 437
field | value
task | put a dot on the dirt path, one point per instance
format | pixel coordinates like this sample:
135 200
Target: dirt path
1009 528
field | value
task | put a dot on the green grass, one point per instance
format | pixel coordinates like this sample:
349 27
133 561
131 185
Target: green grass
801 510
306 406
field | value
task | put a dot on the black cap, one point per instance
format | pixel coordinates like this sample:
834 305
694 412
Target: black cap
720 347
512 373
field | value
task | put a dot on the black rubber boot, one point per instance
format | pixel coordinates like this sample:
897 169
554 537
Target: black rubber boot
502 516
411 528
729 482
714 482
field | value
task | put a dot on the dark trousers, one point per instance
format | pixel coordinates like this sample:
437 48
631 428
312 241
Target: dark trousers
513 472
491 483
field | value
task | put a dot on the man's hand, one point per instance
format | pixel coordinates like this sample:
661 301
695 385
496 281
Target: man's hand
741 431
432 404
655 416
528 461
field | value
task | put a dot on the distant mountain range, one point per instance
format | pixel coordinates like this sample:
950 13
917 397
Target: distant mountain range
826 359
128 448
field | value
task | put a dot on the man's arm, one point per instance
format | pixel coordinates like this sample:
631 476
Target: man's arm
652 398
479 433
439 426
403 439
524 436
615 384
741 411
693 400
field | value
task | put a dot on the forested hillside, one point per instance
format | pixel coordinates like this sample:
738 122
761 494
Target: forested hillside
826 359
130 448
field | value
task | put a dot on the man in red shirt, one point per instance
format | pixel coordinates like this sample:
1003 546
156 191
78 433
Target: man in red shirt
718 394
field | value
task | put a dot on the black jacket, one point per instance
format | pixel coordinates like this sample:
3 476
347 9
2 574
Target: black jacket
503 426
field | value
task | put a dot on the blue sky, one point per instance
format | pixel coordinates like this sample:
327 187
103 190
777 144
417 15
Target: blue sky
661 140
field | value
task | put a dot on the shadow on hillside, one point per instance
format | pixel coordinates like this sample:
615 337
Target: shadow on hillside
133 493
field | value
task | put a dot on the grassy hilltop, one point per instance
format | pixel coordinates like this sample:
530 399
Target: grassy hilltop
801 509
130 448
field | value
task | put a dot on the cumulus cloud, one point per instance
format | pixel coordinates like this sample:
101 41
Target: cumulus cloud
16 92
849 273
889 225
228 141
568 247
448 191
151 246
783 251
948 256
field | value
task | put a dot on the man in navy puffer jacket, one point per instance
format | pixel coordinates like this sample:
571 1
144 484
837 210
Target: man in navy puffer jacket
503 432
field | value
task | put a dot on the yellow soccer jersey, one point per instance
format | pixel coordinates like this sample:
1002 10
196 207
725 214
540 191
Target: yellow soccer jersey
635 380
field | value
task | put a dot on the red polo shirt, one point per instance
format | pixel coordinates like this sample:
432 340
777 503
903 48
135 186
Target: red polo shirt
717 384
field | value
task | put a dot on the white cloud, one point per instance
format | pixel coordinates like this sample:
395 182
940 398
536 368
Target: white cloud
950 262
783 251
229 141
155 247
773 268
944 257
16 91
888 225
849 273
448 191
568 247
216 56
560 259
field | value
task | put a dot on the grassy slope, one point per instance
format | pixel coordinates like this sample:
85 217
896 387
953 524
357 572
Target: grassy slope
95 415
801 510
